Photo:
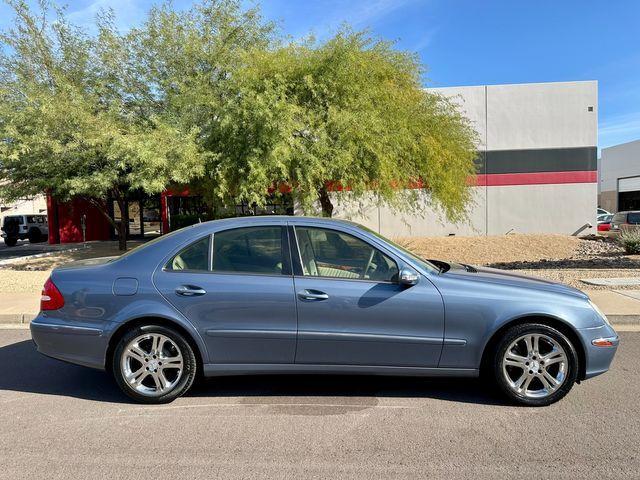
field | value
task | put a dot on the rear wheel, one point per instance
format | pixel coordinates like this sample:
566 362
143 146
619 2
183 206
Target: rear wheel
34 235
154 364
10 241
535 365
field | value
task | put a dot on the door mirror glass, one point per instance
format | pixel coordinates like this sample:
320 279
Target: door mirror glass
408 277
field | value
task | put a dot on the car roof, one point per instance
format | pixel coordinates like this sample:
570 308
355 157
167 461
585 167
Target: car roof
280 219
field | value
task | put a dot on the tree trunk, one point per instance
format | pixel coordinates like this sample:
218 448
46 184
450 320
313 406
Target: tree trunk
123 226
325 202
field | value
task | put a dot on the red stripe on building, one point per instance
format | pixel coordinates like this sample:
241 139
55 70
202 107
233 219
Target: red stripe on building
535 178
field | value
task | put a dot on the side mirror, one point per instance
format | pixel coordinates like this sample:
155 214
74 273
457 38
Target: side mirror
408 277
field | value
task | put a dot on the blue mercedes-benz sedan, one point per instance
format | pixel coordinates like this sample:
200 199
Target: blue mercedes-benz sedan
309 295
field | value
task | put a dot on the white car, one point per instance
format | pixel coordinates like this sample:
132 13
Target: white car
602 211
19 227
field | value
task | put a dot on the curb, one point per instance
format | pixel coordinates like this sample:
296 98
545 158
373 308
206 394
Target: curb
16 318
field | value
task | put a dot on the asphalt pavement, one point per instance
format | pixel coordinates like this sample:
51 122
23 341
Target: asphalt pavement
64 421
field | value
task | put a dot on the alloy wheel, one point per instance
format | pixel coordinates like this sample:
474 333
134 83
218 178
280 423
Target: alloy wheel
152 364
535 365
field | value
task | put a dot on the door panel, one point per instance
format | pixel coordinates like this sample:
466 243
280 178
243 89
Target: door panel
243 318
369 323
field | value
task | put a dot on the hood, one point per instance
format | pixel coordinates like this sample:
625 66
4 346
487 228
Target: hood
89 262
504 277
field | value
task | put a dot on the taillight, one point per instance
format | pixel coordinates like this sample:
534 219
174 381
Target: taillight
51 298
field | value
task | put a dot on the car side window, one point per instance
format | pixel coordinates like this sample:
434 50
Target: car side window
194 257
250 250
330 253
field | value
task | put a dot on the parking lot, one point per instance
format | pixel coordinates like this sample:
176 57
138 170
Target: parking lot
63 421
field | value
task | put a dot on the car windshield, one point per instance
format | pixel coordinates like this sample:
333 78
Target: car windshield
425 264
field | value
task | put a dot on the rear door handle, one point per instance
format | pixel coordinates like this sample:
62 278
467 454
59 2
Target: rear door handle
190 291
312 295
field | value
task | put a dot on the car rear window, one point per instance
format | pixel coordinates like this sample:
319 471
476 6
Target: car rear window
634 218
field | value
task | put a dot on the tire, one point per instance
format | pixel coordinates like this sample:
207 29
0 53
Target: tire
139 370
10 241
34 235
534 374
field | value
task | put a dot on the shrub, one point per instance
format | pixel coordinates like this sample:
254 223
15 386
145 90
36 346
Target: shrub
630 241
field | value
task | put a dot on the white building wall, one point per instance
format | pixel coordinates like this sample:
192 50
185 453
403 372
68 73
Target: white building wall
511 117
617 162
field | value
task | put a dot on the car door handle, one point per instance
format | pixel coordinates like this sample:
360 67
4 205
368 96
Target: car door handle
190 291
312 295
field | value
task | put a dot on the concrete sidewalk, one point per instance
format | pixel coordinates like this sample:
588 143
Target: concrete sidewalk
622 307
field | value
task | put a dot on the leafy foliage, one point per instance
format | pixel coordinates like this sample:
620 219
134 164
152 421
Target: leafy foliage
351 112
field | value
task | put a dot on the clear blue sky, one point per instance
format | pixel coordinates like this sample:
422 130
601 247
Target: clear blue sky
471 42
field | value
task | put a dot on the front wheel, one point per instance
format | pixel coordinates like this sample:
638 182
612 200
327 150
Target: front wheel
535 365
154 364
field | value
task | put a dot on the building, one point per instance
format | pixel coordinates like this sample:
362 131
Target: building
537 173
537 170
36 204
619 176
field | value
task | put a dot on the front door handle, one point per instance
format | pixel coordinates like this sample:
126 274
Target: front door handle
190 291
312 295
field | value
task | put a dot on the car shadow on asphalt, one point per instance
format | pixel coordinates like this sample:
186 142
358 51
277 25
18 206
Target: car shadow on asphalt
25 370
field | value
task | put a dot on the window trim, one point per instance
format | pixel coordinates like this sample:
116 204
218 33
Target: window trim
298 271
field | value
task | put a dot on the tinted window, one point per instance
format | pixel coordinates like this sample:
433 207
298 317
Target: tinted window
634 218
193 257
249 250
329 253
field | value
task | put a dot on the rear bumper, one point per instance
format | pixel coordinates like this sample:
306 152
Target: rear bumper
82 345
598 358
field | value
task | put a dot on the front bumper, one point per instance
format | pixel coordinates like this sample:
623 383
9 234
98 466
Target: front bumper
598 355
79 344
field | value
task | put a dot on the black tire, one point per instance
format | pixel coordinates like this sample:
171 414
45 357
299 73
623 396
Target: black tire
10 241
186 377
518 331
34 235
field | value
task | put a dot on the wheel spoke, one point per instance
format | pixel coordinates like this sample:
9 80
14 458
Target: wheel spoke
138 381
136 352
548 381
535 340
529 344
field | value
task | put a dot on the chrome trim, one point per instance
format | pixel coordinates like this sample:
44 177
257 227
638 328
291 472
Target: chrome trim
249 333
367 337
455 341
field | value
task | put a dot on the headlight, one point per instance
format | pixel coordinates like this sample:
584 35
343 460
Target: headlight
599 312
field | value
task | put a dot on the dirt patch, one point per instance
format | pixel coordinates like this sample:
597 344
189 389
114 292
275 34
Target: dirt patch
49 262
558 258
12 281
493 249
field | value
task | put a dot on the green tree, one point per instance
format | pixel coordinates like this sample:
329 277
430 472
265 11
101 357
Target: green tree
99 116
350 113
